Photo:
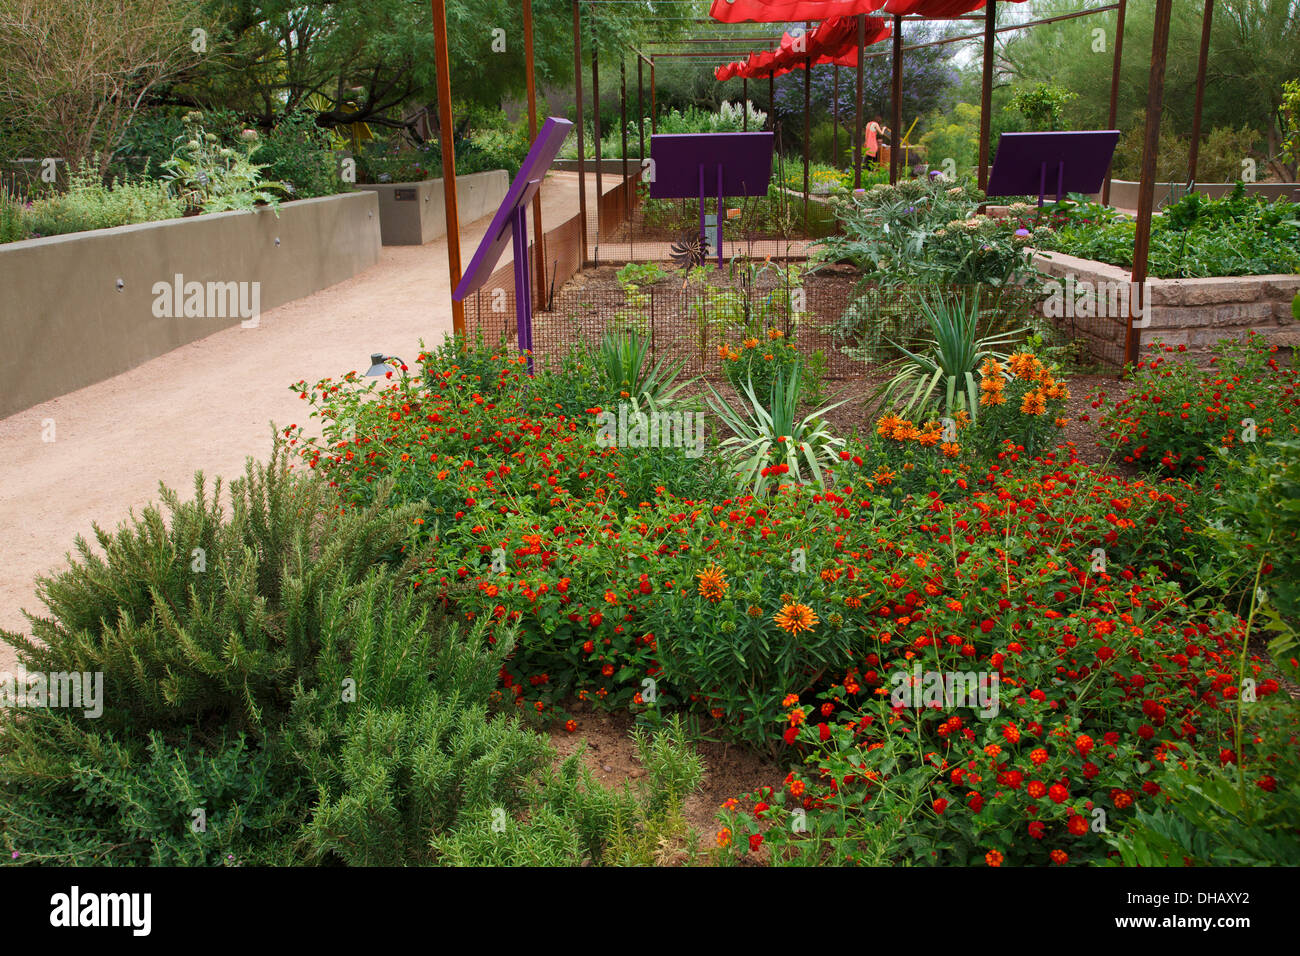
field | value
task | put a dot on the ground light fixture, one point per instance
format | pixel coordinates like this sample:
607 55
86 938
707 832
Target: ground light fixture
379 364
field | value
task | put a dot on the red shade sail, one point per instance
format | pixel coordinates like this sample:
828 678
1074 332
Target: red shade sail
834 41
787 11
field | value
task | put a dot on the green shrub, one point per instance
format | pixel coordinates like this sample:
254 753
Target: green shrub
89 204
13 219
212 177
297 152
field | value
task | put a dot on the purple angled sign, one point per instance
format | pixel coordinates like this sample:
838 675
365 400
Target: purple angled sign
510 224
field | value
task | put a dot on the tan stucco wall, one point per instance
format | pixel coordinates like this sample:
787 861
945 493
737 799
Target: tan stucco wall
65 324
413 222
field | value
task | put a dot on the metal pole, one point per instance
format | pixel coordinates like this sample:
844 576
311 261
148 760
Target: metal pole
986 91
835 119
622 115
1114 88
771 100
443 67
582 164
857 139
595 117
654 120
539 236
1147 191
898 99
807 123
744 103
1206 22
640 104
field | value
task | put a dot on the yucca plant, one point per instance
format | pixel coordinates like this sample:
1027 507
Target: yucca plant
947 367
767 434
625 367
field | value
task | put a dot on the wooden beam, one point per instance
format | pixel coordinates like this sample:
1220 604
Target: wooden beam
448 150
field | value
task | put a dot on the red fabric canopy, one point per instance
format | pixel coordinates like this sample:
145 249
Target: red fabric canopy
834 41
787 11
934 8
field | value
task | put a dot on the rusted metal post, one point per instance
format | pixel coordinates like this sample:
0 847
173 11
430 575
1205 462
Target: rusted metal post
1207 21
1147 191
897 123
448 149
582 162
986 91
858 129
539 236
1114 88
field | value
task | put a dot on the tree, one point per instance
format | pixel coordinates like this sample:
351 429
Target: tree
74 72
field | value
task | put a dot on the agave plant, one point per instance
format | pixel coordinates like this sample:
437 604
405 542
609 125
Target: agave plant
625 366
947 367
767 434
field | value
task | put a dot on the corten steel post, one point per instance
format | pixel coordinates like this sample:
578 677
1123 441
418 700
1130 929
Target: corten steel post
986 91
640 105
835 118
539 236
582 163
807 123
857 140
443 66
1202 63
897 122
622 125
744 102
1147 192
654 121
1114 89
595 119
771 100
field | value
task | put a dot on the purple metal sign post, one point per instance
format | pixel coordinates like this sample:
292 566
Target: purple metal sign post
1077 161
682 160
511 224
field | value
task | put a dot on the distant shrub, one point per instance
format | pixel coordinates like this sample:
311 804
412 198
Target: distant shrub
89 204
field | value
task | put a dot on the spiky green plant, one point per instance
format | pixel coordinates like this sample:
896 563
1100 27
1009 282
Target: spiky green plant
947 367
625 367
766 434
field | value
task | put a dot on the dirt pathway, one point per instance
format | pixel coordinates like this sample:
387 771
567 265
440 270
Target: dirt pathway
207 405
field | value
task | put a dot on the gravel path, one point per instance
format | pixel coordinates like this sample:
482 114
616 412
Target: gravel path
207 405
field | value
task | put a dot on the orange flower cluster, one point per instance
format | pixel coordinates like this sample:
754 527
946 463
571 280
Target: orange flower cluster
928 435
795 618
1024 367
713 584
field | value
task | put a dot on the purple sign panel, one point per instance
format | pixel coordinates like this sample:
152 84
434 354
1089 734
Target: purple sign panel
1041 163
745 158
510 224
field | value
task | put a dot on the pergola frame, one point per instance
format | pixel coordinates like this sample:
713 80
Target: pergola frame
1155 105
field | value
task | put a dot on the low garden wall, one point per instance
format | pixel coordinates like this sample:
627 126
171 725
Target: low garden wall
1191 312
80 308
411 214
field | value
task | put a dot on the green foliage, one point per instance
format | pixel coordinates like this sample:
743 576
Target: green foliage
635 274
955 136
13 224
770 441
298 153
1216 813
210 177
941 378
628 373
89 204
1042 105
1237 235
